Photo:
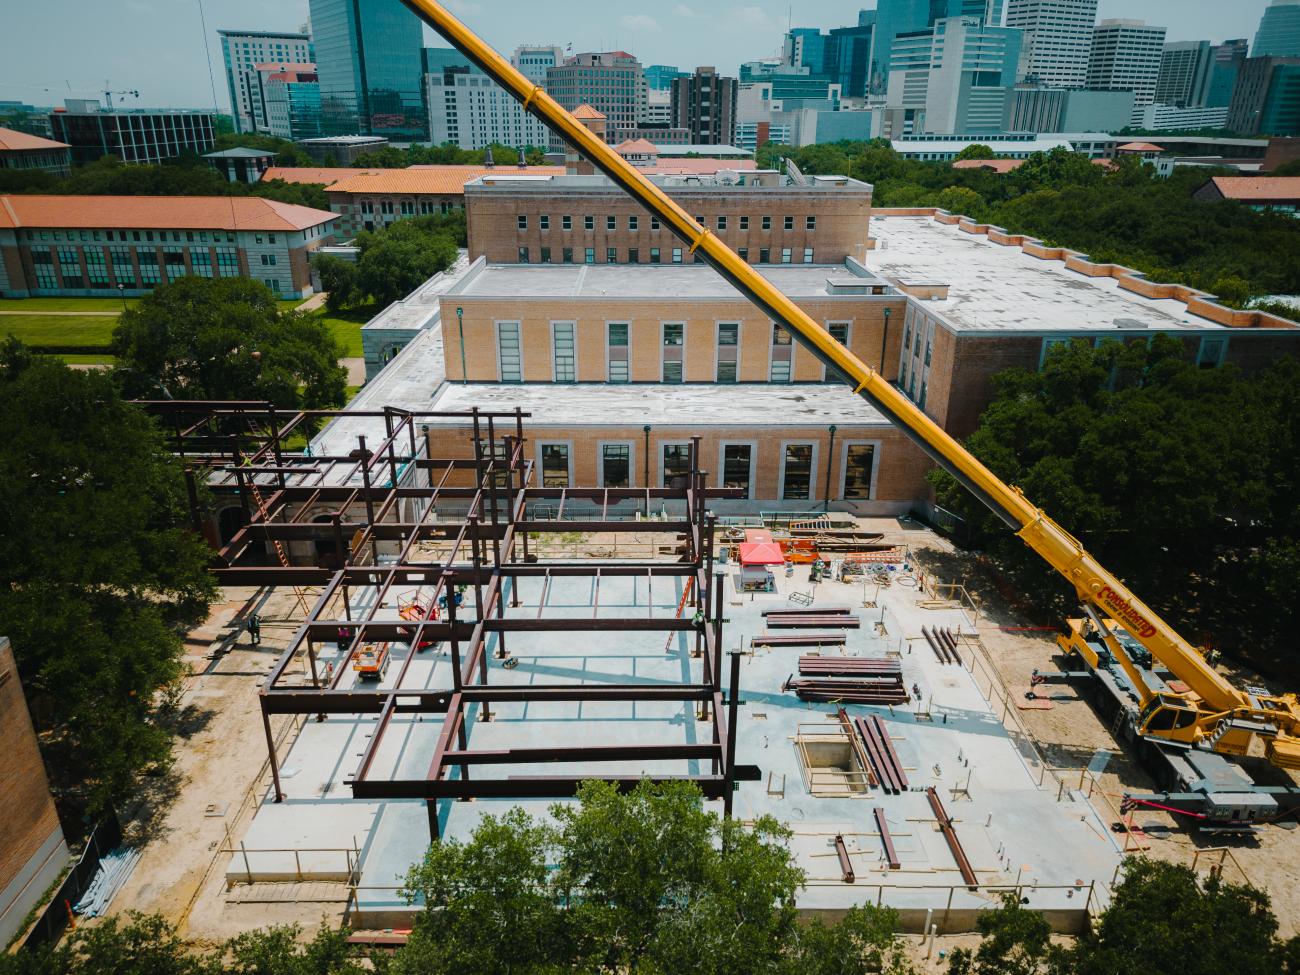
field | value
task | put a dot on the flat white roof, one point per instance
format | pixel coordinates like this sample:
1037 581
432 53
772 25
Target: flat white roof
992 286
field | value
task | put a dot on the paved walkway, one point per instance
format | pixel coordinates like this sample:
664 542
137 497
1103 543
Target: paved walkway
315 301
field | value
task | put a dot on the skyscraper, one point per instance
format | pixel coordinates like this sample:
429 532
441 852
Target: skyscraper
1058 37
242 51
1186 69
705 105
1126 54
534 60
369 57
1267 98
1228 57
894 17
611 82
660 77
1279 31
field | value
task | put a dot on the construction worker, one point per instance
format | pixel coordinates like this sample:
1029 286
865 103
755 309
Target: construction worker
255 629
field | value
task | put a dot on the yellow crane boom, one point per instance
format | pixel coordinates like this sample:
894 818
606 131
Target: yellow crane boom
1213 701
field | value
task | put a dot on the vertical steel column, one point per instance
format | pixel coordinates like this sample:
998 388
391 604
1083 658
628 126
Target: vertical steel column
270 753
523 484
449 589
733 703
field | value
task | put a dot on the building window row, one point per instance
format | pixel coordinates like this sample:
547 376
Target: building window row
721 222
546 255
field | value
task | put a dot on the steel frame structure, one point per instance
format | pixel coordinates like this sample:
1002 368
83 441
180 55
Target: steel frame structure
374 507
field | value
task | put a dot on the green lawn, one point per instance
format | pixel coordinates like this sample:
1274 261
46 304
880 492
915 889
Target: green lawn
40 330
113 304
346 327
86 360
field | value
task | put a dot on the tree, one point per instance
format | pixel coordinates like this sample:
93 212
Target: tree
338 279
98 565
976 150
959 199
1016 941
225 338
395 262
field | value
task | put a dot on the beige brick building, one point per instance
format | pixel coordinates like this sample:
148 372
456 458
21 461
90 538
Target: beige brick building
582 219
32 848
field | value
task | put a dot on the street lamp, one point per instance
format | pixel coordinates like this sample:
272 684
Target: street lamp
460 325
884 340
646 429
121 293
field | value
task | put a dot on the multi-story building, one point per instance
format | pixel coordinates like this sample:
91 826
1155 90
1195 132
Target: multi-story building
373 199
660 77
132 135
659 107
341 150
1031 108
1267 97
534 60
1157 117
1058 38
705 105
894 17
611 82
470 110
1228 58
1279 31
21 151
1126 54
288 102
95 245
241 164
1274 194
955 76
578 219
242 51
33 851
1186 71
369 54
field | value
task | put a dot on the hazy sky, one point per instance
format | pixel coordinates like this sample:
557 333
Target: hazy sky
51 49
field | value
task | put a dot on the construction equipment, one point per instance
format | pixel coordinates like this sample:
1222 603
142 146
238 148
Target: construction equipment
370 661
1211 714
413 608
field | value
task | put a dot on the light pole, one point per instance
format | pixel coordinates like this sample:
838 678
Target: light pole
646 429
460 325
884 341
830 459
121 293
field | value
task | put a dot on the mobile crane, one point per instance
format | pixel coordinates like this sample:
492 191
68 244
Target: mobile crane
1196 711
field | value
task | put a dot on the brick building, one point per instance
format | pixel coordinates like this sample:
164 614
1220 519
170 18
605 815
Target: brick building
26 152
32 848
578 219
95 245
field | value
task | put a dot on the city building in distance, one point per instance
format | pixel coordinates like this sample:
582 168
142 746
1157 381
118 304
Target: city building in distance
1266 98
1126 54
22 151
241 53
1058 38
1279 31
136 135
99 245
704 104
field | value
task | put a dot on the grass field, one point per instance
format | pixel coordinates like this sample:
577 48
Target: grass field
85 360
346 326
113 304
59 329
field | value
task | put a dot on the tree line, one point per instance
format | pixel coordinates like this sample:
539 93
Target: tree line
654 882
1124 213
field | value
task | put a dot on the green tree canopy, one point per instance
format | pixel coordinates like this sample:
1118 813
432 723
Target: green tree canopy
97 566
977 150
398 259
226 338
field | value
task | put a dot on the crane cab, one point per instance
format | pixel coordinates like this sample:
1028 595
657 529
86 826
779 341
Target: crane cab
1168 716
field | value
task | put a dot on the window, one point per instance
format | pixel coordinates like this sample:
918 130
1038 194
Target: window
785 255
782 354
632 223
408 210
523 221
385 206
611 255
744 223
523 255
562 351
123 269
555 465
737 465
615 465
811 223
546 255
677 255
147 258
676 463
268 260
566 223
674 340
859 463
611 222
589 255
654 255
767 223
743 254
1048 345
616 351
544 222
722 223
797 472
654 223
789 223
728 346
700 221
764 255
807 255
633 255
201 261
227 262
509 360
1210 354
589 223
567 255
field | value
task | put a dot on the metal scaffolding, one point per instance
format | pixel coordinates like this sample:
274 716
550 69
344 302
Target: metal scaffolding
385 517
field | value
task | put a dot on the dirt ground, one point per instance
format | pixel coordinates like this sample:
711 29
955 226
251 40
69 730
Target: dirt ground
219 767
1070 734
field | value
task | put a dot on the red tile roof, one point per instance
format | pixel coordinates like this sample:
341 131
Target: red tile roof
585 111
1140 147
430 179
997 165
1258 187
13 141
642 147
157 213
311 174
